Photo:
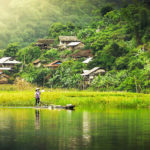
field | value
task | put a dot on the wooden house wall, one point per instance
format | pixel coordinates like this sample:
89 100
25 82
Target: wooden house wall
3 80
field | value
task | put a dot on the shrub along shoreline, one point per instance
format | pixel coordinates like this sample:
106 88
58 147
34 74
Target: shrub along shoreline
82 99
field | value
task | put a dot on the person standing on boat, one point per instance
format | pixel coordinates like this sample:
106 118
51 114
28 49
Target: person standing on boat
37 96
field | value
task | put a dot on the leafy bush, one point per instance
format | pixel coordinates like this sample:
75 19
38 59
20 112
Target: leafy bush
35 75
11 50
29 54
67 75
105 10
110 81
50 55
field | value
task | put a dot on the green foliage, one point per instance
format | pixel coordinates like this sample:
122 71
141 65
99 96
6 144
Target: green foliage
59 29
136 17
122 63
146 36
110 81
119 40
11 50
110 29
135 63
67 75
114 50
41 75
102 60
106 58
137 81
65 53
50 55
34 75
86 33
25 21
112 17
1 53
54 54
29 54
105 10
56 29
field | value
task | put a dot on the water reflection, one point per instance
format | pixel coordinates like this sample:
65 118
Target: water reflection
43 129
86 128
37 119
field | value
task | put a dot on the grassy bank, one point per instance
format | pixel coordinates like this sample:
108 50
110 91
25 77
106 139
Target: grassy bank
12 96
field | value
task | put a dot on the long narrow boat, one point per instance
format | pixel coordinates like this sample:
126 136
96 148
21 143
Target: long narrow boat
68 107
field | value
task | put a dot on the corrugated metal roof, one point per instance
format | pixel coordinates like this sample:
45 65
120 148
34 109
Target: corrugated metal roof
87 60
100 71
90 71
5 68
85 71
4 59
7 60
12 62
73 43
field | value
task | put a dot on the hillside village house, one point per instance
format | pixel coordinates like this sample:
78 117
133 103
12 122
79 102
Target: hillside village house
37 63
4 79
7 63
65 40
89 75
86 61
75 45
45 43
82 54
53 65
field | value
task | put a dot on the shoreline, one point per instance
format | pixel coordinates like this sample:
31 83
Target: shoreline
81 99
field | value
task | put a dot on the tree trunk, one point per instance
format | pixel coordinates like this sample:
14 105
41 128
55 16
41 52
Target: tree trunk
138 38
135 80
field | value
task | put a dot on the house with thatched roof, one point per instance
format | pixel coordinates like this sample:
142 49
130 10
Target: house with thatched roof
68 39
53 65
75 45
45 43
4 79
37 63
82 54
65 40
89 75
8 63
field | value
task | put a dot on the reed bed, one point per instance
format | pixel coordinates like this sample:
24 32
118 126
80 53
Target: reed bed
12 96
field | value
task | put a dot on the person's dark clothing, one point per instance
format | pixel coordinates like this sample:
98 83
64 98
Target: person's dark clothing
37 96
37 101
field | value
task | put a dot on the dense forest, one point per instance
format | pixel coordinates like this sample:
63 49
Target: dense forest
121 46
24 21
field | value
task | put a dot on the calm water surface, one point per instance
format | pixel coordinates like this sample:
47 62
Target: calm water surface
41 129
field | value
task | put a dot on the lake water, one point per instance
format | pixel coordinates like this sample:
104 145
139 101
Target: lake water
42 129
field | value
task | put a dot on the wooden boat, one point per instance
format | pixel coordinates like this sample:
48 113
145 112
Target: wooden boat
68 107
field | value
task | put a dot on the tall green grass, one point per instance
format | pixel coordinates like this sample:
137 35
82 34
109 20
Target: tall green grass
12 96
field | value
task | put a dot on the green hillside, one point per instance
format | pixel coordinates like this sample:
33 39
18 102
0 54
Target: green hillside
118 37
24 21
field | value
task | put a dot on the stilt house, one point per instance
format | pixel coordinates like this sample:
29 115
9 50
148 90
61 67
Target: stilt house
45 43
